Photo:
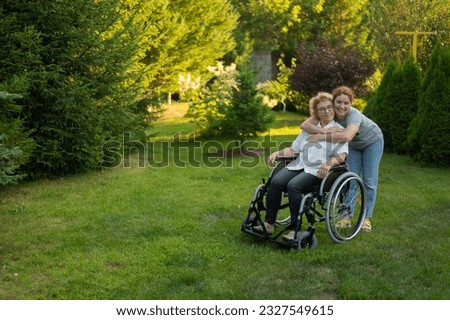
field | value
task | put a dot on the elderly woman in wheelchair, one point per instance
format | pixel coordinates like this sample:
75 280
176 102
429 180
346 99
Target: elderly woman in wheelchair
309 173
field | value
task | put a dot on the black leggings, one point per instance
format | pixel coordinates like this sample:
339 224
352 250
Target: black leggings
294 182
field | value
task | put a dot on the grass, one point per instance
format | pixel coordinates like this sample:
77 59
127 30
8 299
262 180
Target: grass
173 232
173 122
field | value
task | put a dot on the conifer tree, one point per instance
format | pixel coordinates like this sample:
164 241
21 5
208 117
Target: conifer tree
80 63
404 107
428 142
15 145
248 115
395 103
380 103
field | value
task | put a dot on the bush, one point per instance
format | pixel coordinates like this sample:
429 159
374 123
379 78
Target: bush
324 67
277 92
395 103
428 142
380 104
15 144
82 90
300 102
209 104
230 105
405 107
247 115
8 164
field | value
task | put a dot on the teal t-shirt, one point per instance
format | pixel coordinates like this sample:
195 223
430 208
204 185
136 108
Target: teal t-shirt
368 131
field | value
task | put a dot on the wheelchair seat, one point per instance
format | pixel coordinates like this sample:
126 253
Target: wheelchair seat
323 186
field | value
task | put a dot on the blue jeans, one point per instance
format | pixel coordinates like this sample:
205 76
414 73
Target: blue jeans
296 183
366 163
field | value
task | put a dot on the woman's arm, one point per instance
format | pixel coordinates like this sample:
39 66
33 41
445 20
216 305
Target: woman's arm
345 136
310 126
327 165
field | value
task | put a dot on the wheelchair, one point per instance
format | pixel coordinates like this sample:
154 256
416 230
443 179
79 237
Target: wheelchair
340 194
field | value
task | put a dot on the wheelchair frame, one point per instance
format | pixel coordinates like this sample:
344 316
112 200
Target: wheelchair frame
341 193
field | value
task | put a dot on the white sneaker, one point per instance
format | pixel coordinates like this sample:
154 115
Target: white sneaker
289 236
269 228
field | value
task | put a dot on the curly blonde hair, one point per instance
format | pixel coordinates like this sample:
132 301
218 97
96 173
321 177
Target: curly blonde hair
314 101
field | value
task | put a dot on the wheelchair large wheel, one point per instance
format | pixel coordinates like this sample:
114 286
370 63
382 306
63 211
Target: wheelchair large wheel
346 207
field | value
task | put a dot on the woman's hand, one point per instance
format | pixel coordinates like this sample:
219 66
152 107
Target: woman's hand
272 158
323 170
316 137
335 129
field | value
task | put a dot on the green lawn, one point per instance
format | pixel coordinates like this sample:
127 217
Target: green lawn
172 231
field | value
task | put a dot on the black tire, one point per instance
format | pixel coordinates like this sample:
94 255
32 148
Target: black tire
347 198
305 241
247 222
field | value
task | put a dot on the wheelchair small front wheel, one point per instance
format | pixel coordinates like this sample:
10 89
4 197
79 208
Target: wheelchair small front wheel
250 221
306 241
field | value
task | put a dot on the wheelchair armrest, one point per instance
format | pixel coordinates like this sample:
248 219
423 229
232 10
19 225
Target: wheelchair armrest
282 158
339 167
281 163
332 175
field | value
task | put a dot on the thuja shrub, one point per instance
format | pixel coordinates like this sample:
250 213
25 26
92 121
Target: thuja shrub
404 107
385 101
428 142
396 103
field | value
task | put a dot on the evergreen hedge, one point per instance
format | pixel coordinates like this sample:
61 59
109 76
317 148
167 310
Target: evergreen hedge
428 139
384 101
395 103
406 105
414 114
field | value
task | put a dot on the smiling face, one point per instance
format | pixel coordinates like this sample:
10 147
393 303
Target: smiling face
342 105
325 111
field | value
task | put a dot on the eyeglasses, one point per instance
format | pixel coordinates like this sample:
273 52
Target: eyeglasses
327 108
